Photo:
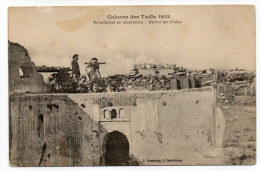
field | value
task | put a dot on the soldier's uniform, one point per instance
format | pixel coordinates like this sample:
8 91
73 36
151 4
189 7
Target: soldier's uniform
75 70
92 70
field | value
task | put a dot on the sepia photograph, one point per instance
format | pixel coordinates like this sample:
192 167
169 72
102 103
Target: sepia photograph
132 85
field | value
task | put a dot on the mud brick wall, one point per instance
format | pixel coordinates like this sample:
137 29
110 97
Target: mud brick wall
172 127
65 126
31 81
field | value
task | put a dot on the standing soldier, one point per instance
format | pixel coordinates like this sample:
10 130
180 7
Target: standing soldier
156 83
75 71
75 68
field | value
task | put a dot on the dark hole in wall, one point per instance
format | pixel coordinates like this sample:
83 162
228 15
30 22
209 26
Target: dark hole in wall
51 106
41 118
179 84
109 104
40 126
113 114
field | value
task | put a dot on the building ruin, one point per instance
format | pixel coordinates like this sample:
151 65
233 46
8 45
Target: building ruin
23 77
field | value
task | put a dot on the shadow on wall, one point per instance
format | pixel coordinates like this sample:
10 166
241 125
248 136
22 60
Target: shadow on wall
23 77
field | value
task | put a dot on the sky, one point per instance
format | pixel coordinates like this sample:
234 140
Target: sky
220 37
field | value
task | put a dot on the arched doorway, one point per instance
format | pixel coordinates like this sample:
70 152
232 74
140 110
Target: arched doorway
115 149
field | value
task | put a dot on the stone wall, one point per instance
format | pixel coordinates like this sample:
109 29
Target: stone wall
23 77
175 127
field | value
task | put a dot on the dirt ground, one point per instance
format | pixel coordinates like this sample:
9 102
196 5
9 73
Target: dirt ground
240 134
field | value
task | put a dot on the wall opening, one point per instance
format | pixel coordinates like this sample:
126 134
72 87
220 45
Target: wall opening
113 114
106 114
115 150
20 72
40 126
25 71
121 113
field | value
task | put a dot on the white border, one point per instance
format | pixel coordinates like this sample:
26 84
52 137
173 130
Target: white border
4 4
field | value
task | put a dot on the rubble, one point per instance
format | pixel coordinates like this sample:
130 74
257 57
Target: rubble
230 84
239 141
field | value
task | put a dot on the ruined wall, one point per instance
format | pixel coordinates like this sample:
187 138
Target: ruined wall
19 61
69 132
163 128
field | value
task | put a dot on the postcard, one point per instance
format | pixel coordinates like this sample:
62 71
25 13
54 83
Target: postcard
132 85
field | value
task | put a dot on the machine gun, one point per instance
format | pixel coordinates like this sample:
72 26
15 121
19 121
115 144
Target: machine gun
98 83
95 65
100 63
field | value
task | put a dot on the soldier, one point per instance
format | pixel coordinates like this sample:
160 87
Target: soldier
75 71
93 69
75 68
156 83
156 74
94 75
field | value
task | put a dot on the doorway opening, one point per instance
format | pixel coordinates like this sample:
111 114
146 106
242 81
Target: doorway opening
115 150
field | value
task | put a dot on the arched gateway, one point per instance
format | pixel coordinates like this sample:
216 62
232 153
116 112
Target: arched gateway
115 150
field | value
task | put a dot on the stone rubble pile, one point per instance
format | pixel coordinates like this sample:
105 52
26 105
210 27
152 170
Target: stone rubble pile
231 90
230 84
